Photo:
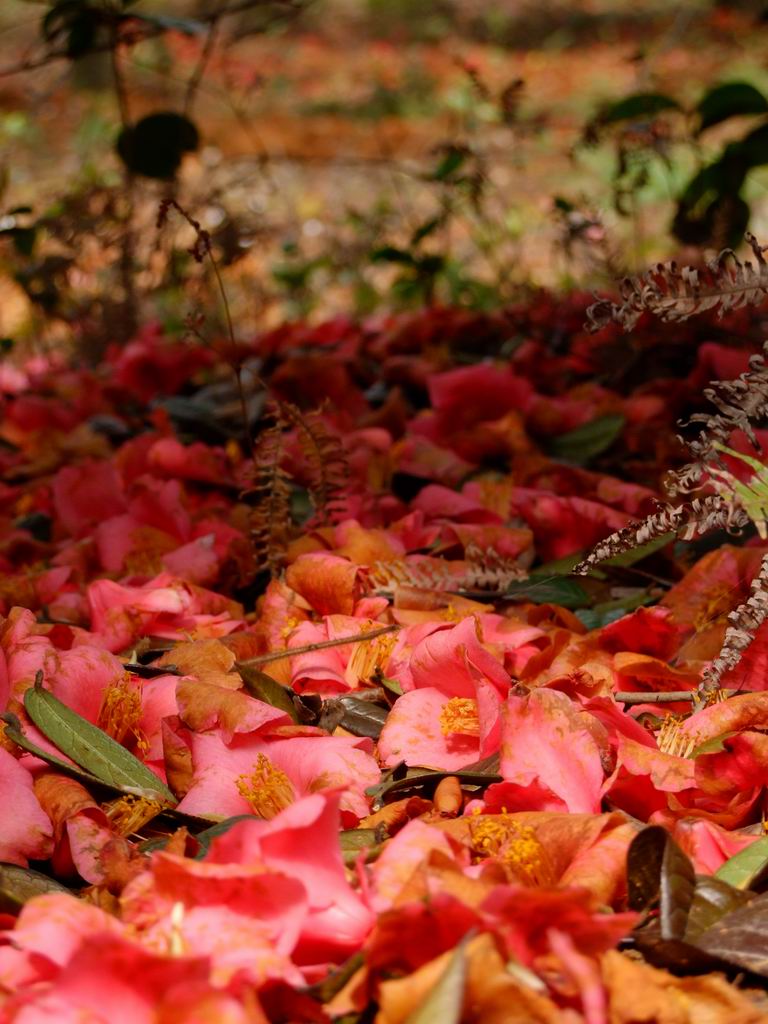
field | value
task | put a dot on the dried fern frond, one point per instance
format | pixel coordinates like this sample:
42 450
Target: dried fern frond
744 623
692 518
676 293
741 403
270 493
326 461
481 570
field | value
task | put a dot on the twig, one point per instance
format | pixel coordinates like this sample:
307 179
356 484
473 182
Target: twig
666 697
138 34
321 645
205 55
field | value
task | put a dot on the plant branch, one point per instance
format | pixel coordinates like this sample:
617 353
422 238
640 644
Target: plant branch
666 697
321 645
142 29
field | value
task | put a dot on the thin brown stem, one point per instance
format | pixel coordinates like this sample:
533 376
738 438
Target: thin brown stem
321 645
202 63
667 697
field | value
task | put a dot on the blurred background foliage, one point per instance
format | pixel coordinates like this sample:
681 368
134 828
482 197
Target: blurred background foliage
357 156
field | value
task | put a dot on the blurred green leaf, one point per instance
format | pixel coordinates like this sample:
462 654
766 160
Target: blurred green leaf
583 443
746 866
566 592
19 885
639 105
731 99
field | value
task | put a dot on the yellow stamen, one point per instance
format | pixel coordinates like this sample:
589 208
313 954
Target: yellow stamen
669 740
127 814
516 846
460 715
267 789
176 944
371 657
120 713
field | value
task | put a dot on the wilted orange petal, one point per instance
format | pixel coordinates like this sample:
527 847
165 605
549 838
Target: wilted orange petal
638 992
492 995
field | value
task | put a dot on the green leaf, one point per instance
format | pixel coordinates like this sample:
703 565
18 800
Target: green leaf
561 590
641 105
744 868
731 99
391 684
205 837
14 733
591 439
628 558
266 689
355 841
426 229
609 611
712 900
390 254
739 937
443 1004
18 885
399 779
451 162
323 991
362 717
155 146
89 746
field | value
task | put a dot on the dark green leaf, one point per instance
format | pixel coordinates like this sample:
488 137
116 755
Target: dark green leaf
677 886
155 146
740 937
729 100
424 230
745 867
610 611
23 240
205 837
674 954
712 899
389 254
641 105
583 443
401 779
659 872
14 733
451 162
326 989
89 746
362 717
560 590
753 148
635 555
355 841
644 859
18 885
266 689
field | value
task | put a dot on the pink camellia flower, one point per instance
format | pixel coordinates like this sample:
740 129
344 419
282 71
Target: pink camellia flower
264 774
164 606
550 756
302 842
25 829
245 916
452 716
